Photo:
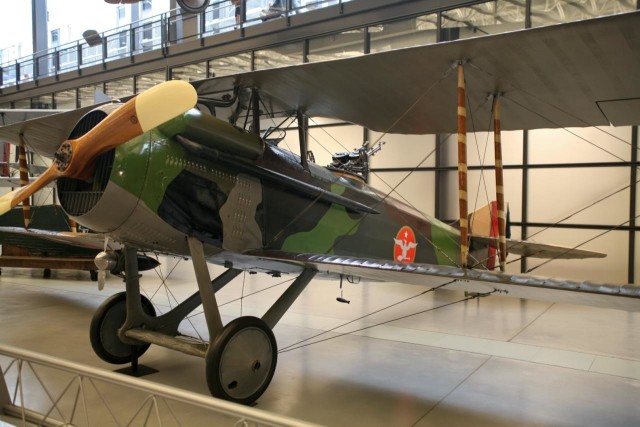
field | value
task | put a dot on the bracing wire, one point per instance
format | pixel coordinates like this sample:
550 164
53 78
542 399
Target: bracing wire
367 315
468 298
562 110
581 244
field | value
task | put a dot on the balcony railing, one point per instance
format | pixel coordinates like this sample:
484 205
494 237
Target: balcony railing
151 34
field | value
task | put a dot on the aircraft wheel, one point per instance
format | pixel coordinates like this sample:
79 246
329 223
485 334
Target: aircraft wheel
105 323
242 360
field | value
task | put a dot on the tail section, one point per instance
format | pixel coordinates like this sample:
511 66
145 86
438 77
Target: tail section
484 222
483 227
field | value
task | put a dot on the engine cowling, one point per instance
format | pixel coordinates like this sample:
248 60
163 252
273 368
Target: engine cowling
111 200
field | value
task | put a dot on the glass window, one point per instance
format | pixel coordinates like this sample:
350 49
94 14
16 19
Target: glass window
42 102
55 37
544 12
145 81
230 64
22 104
68 58
301 6
335 46
279 56
190 72
483 19
119 88
416 31
91 94
65 100
8 75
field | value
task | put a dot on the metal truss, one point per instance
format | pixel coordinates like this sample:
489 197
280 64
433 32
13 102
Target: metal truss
45 391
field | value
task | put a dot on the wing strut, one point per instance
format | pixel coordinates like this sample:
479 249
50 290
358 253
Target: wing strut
462 165
302 136
24 180
255 110
502 241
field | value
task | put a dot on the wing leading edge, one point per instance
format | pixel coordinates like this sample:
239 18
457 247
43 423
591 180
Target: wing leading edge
622 297
567 75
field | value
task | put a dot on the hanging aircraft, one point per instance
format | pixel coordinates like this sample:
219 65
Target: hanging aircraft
156 174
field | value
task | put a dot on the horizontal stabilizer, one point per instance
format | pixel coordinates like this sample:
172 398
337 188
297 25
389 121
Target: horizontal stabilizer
538 250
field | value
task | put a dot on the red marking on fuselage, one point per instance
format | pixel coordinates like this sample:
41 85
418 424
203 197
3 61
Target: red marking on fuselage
404 249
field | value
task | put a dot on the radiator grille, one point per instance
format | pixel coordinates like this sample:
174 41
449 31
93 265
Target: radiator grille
78 197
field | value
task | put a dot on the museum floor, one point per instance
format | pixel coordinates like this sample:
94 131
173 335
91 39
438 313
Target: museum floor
489 362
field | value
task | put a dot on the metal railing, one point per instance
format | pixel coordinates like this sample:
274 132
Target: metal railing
44 390
157 32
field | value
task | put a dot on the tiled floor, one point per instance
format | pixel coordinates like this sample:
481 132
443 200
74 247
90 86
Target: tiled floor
489 362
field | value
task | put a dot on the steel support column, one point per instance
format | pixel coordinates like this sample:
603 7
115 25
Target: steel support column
632 205
525 194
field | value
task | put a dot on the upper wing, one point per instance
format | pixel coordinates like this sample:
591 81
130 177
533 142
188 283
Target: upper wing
577 74
513 285
43 135
15 115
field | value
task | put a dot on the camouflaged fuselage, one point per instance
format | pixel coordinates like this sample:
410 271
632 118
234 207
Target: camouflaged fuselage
238 194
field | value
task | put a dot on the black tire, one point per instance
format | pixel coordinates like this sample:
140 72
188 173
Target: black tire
242 360
105 323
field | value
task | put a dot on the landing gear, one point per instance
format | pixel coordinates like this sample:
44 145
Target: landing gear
242 360
106 322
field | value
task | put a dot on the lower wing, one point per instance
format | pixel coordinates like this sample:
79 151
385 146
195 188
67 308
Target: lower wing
623 297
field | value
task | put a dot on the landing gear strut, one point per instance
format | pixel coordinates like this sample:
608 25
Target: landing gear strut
242 356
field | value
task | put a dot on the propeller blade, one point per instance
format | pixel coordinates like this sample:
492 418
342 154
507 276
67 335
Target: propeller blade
13 198
75 158
102 278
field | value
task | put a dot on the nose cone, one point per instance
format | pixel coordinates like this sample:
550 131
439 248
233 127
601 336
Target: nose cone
106 260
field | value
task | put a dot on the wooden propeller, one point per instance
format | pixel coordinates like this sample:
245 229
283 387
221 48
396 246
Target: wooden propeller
75 158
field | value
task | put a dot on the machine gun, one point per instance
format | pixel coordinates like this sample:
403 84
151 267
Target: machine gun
355 162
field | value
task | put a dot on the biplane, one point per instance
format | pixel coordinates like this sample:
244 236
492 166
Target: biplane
157 174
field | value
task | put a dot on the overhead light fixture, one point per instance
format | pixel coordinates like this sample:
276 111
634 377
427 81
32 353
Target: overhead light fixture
193 6
92 38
